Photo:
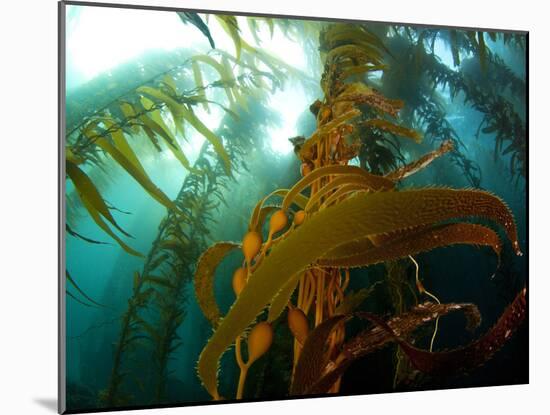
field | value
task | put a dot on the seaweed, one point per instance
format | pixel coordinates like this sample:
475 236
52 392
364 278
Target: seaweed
142 110
302 245
352 218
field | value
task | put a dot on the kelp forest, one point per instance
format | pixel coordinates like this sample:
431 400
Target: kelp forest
261 208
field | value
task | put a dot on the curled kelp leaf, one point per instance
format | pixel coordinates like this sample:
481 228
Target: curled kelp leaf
74 297
72 232
357 216
204 278
435 363
410 242
382 334
475 354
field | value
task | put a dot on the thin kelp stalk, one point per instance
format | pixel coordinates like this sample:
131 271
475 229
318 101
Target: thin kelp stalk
129 334
178 260
132 321
171 307
347 51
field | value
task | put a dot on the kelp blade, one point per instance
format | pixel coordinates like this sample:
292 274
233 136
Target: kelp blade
204 278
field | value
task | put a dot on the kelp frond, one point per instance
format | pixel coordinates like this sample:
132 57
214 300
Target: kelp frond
361 215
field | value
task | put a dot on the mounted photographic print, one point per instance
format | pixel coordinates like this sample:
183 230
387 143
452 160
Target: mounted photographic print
259 207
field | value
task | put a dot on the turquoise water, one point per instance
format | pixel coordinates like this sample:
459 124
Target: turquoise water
134 47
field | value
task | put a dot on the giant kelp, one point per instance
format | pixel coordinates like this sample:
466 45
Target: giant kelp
351 218
380 119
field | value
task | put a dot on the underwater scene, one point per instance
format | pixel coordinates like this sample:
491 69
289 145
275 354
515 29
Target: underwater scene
264 208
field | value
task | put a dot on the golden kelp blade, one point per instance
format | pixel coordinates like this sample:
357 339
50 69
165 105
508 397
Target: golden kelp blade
343 192
416 242
235 88
280 301
122 144
199 83
197 124
210 136
136 173
172 104
96 217
356 217
87 190
204 278
130 114
155 122
226 77
231 27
